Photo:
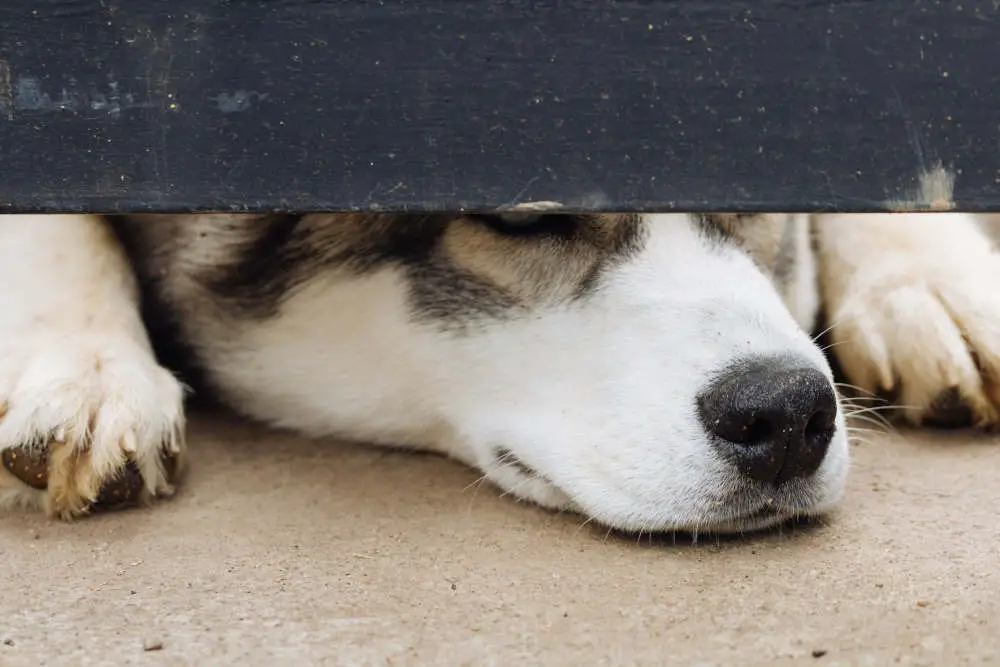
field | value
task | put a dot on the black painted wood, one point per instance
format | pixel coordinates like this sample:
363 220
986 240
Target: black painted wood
114 105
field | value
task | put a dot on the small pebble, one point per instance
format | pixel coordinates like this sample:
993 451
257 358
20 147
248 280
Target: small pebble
152 646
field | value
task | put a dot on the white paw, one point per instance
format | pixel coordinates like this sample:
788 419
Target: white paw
925 329
83 416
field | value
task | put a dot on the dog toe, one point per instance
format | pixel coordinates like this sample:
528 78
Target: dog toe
933 344
89 429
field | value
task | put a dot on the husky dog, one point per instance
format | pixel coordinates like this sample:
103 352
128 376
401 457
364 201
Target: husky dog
653 372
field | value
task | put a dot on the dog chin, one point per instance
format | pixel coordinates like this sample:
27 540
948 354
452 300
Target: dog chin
763 519
764 515
743 508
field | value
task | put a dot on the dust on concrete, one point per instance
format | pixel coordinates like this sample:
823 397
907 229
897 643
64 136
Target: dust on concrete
283 550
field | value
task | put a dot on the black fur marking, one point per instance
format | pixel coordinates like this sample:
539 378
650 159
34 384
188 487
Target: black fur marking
629 243
268 265
505 457
257 262
286 251
283 252
439 291
277 254
720 228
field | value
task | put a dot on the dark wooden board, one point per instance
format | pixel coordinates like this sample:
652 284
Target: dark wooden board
114 105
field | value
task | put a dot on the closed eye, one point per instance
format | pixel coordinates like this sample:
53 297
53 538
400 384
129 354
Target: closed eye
529 224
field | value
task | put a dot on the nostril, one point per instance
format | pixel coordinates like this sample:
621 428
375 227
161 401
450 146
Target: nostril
757 432
749 431
821 426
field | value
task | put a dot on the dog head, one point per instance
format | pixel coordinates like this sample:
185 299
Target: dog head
652 372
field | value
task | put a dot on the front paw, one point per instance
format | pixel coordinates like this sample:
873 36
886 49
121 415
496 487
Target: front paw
87 425
925 332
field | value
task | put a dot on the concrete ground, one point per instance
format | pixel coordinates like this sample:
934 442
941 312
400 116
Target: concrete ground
284 551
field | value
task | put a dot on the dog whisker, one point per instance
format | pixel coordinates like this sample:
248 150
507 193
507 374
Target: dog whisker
826 330
475 483
873 421
854 387
869 418
861 436
858 401
586 522
830 346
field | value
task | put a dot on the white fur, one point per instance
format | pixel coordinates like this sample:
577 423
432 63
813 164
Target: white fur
76 368
914 306
803 298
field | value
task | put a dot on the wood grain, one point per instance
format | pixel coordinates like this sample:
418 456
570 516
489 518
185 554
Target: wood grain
134 105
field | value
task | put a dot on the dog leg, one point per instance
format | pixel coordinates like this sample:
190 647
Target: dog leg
915 311
80 389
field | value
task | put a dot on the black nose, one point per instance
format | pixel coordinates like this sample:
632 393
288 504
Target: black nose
772 417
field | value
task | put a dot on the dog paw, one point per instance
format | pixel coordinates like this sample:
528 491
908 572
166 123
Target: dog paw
925 332
87 424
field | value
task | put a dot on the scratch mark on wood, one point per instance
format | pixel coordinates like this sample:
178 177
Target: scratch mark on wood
935 191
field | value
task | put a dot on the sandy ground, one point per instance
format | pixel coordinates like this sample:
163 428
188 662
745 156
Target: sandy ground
281 550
